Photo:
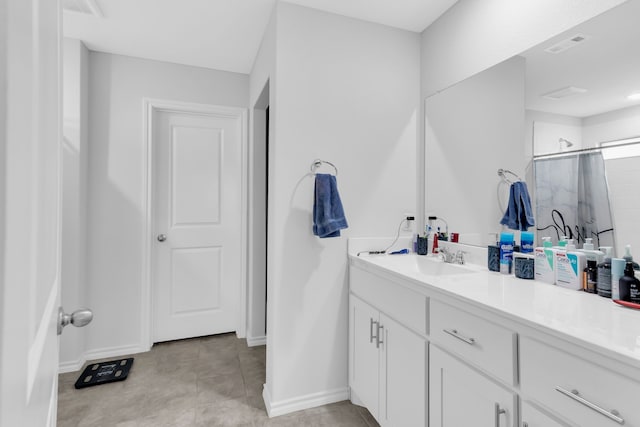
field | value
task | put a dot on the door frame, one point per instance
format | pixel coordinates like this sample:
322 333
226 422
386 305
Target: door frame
150 108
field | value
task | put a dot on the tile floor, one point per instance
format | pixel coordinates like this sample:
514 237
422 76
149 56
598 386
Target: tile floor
209 381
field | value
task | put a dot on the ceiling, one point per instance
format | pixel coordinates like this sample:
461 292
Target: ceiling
607 65
218 34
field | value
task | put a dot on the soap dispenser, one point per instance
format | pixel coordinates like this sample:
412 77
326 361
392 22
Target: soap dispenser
569 267
544 270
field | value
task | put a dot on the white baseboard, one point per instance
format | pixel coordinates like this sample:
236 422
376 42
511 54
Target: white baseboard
256 341
100 353
71 365
313 400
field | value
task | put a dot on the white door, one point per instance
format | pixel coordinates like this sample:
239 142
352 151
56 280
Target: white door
30 137
364 355
460 396
403 387
197 214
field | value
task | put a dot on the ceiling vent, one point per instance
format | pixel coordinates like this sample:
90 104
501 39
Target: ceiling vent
567 44
565 92
86 7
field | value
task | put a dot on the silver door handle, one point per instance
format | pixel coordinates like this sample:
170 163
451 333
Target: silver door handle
371 336
454 333
162 237
78 318
378 340
498 411
575 395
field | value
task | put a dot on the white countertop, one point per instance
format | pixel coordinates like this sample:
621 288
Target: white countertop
585 319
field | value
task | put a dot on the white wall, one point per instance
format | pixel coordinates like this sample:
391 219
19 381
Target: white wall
543 130
345 91
475 35
471 130
117 87
614 125
75 73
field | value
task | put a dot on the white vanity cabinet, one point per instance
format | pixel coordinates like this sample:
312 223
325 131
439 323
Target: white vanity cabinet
387 360
575 389
487 350
461 396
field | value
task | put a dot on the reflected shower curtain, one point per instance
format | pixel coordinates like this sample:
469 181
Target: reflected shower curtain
572 199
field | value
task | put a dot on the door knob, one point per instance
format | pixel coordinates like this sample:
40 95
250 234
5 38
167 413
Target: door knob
78 318
162 237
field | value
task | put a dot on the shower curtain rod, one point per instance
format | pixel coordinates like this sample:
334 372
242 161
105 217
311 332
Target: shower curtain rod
634 141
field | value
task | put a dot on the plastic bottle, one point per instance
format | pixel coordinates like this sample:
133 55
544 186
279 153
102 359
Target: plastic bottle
544 262
526 242
627 282
569 267
591 276
506 252
617 272
628 258
604 273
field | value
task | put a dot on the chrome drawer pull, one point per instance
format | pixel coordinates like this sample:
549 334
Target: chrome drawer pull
454 333
498 411
575 395
372 322
378 340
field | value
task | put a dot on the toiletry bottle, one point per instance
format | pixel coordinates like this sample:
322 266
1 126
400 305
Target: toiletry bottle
569 267
604 273
617 272
526 242
626 281
544 262
591 252
434 248
627 257
506 252
493 253
591 276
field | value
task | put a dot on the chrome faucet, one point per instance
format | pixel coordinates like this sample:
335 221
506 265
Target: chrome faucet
451 257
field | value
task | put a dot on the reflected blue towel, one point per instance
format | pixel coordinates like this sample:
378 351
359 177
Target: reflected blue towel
518 215
328 215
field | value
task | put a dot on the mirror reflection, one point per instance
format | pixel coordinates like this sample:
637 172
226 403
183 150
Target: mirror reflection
576 99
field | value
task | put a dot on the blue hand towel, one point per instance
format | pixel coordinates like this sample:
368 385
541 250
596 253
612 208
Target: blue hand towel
518 215
328 214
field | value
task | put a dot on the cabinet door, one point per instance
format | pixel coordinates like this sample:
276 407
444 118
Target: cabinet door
460 396
532 417
363 354
403 368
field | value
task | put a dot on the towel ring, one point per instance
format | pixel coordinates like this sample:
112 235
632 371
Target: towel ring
317 163
502 172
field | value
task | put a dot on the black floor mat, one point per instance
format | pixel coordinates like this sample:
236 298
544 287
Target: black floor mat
104 372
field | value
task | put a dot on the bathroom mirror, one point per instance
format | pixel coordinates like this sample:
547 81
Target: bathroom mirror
567 94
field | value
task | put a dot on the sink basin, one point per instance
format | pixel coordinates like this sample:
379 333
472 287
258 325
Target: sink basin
426 265
436 267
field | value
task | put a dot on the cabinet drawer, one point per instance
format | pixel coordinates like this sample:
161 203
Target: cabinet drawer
482 343
404 305
551 376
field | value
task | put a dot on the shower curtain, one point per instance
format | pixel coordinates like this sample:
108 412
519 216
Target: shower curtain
572 199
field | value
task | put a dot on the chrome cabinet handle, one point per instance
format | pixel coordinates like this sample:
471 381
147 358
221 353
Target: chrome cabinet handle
498 411
378 340
575 395
371 336
162 237
454 333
